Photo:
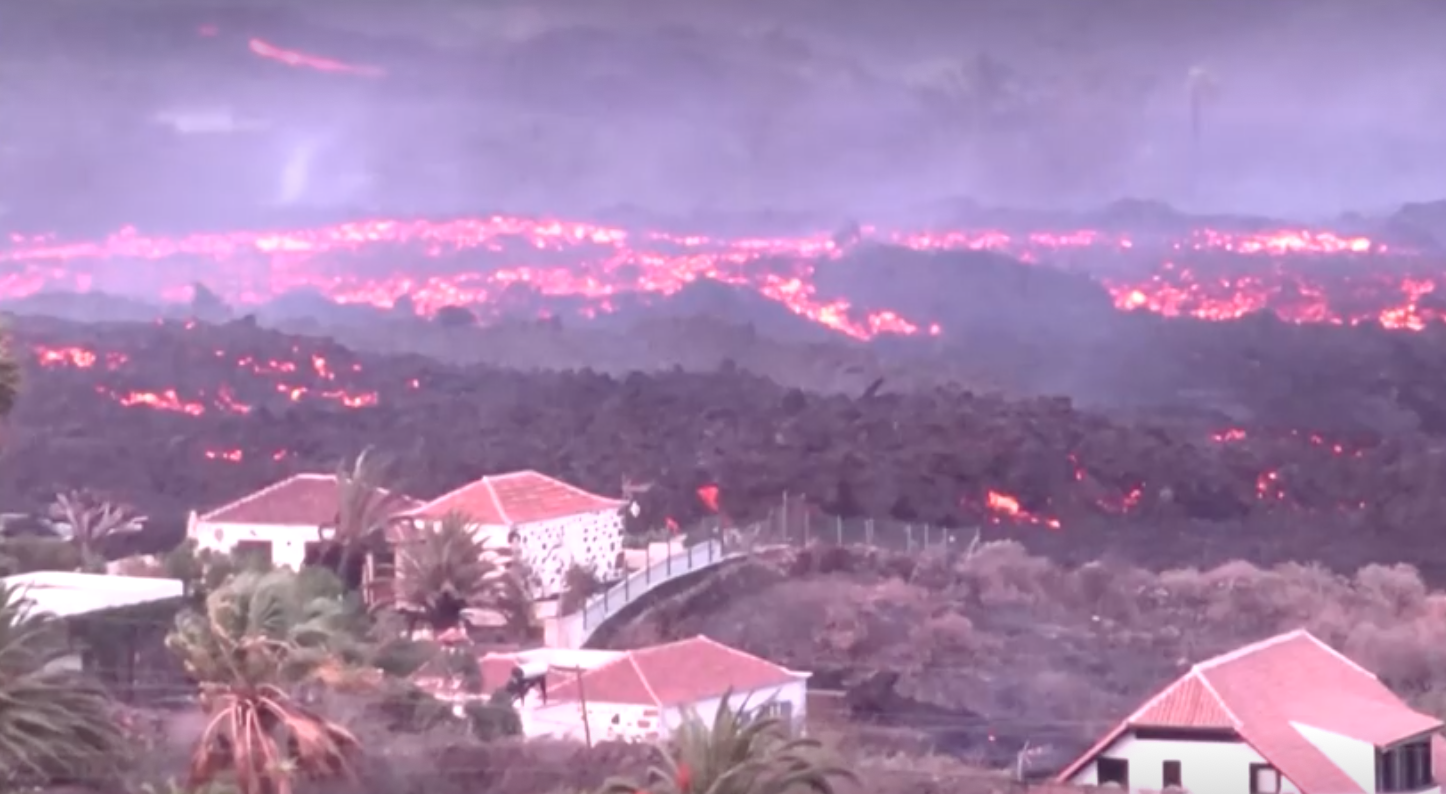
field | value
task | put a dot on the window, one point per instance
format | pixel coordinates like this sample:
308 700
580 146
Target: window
1405 767
781 710
1113 770
252 554
1264 779
1170 775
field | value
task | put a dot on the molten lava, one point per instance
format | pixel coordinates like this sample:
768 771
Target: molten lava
280 373
485 262
1002 505
297 59
708 495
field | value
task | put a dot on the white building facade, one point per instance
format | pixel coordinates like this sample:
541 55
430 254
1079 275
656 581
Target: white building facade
643 695
280 523
1288 715
549 525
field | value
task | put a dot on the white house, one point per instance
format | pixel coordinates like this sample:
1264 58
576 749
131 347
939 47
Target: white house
280 522
70 595
1286 715
549 524
67 594
642 694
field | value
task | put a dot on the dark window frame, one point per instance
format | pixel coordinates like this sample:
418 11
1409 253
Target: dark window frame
1171 774
1123 779
261 552
1255 770
1405 767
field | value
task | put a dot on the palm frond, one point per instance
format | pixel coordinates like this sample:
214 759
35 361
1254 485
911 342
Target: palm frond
53 721
257 636
738 752
10 377
445 569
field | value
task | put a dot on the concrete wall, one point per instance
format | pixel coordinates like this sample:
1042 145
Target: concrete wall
591 540
288 542
1206 767
634 723
794 693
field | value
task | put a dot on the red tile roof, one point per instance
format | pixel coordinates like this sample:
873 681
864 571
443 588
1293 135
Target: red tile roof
299 500
517 498
677 674
1263 690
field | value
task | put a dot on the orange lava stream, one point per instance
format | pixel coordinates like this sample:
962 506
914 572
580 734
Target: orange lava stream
303 60
599 264
224 400
1002 505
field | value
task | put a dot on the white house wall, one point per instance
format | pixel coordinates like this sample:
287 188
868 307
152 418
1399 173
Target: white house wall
795 692
592 540
616 722
633 723
1354 757
288 542
1206 767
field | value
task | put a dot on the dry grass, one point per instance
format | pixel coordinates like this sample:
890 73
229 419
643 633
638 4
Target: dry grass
1011 646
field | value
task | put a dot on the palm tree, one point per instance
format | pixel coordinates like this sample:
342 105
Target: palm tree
88 521
53 721
445 569
363 509
10 379
260 637
739 753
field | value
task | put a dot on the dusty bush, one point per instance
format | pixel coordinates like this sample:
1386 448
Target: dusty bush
578 585
1013 640
1003 573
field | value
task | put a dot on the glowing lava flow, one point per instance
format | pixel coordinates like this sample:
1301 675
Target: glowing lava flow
495 261
224 400
303 60
1002 505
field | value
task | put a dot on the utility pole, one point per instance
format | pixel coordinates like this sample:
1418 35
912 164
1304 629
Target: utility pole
581 699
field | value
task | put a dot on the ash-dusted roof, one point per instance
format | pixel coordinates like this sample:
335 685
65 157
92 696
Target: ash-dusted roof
677 674
298 500
518 498
1263 691
68 594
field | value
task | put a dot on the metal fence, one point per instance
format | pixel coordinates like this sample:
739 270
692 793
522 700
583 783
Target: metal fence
794 522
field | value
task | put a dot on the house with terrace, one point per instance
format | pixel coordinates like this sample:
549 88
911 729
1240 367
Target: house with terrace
642 694
284 523
1288 715
549 525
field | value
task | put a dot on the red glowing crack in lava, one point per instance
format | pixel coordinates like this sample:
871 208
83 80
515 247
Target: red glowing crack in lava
598 264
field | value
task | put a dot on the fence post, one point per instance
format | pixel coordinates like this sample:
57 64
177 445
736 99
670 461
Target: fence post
908 537
627 588
606 608
783 522
869 532
648 562
806 514
926 536
838 528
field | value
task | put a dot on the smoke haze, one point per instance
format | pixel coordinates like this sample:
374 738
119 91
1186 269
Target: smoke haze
168 116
